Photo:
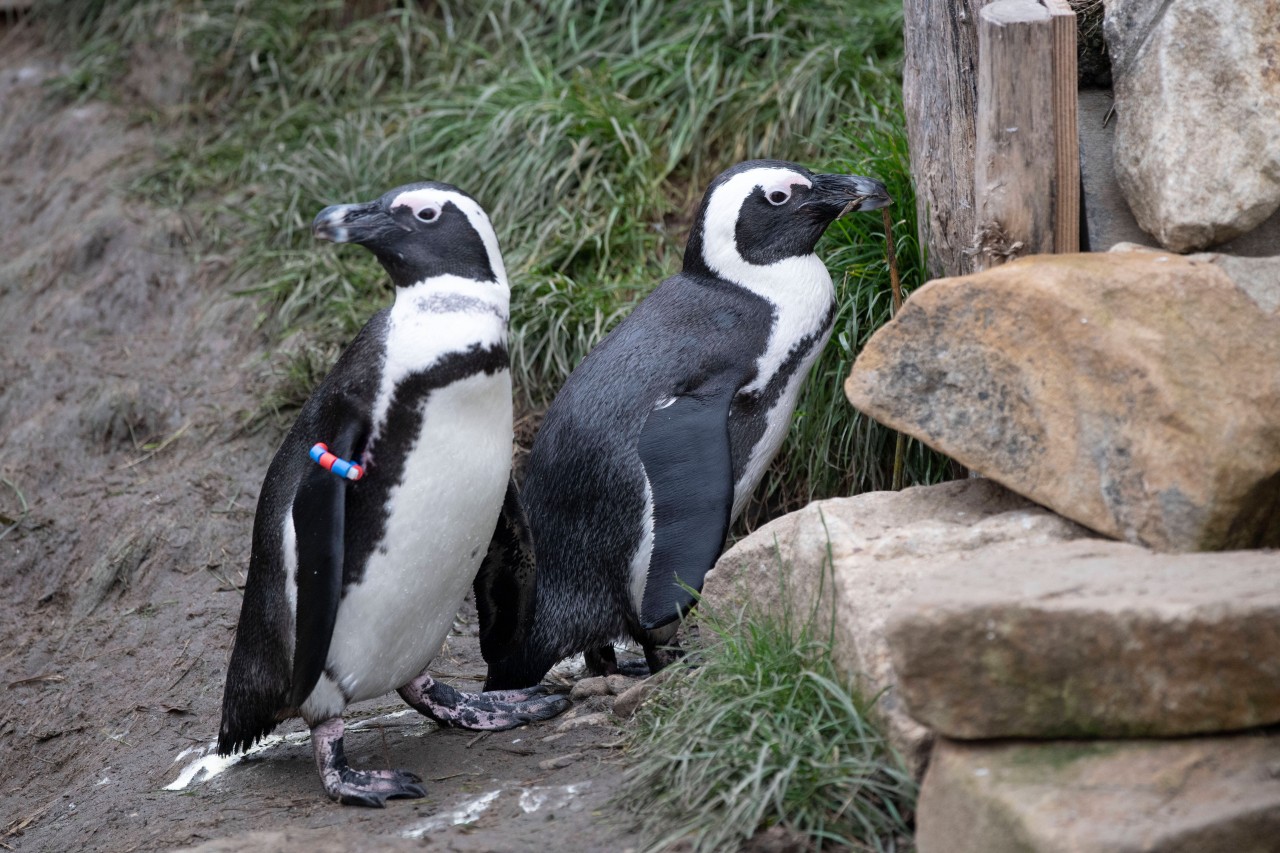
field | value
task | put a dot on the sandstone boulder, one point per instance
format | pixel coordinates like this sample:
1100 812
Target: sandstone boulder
1091 638
1137 393
854 558
1197 95
1203 795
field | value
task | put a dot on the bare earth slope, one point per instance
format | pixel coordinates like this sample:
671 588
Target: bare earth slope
125 374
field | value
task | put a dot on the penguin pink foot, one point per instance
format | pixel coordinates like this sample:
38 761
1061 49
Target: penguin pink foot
494 711
353 787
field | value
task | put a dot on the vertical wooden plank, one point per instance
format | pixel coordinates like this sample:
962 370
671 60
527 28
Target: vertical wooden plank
1016 164
940 95
1066 227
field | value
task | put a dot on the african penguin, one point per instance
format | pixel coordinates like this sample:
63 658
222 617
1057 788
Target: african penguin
659 436
353 584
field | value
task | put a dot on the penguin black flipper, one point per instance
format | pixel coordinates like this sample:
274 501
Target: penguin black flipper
684 446
319 518
504 585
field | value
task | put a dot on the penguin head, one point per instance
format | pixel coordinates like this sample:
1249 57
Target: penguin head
419 231
764 211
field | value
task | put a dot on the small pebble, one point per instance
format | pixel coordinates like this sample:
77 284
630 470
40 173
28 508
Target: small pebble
619 684
588 687
627 703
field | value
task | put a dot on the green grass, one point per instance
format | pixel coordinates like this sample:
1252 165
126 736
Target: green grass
588 131
760 729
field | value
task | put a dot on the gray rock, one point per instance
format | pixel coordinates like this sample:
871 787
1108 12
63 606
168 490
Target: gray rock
855 558
1110 221
1203 795
1092 639
1198 115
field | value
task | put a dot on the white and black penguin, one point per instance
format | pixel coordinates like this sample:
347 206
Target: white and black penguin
656 441
353 584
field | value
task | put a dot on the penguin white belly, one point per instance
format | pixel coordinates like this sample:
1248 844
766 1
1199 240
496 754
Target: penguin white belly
441 517
777 423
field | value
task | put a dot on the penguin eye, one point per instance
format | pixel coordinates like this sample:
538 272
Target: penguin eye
428 214
779 197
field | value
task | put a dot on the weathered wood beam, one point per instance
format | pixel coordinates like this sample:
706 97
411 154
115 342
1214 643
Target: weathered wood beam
939 86
1015 165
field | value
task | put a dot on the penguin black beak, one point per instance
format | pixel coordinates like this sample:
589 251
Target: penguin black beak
349 223
836 195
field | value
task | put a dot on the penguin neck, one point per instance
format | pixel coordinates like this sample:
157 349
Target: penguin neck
441 315
801 293
481 307
434 318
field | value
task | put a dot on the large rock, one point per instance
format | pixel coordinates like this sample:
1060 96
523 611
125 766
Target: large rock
1137 393
1197 91
857 557
1088 639
1205 795
1110 221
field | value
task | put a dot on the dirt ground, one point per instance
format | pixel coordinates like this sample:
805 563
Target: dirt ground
127 492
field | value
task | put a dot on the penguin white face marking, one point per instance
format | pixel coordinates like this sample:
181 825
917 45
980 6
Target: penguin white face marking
719 230
798 288
427 204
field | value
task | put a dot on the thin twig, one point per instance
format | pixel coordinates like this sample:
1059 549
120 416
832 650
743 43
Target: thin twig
900 441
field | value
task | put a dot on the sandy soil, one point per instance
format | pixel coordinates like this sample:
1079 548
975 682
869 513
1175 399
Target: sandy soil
127 490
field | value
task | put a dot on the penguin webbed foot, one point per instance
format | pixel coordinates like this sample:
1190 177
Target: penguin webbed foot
603 660
658 657
350 787
492 711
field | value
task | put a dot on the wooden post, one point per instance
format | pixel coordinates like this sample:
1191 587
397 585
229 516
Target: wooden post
1016 166
939 90
940 94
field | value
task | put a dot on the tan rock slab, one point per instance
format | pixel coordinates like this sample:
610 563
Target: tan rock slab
1137 393
854 558
1089 638
1202 795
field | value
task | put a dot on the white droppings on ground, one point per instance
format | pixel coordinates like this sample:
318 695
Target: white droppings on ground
466 813
552 797
208 764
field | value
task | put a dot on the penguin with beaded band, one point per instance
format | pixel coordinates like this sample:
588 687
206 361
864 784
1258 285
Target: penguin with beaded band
377 512
656 441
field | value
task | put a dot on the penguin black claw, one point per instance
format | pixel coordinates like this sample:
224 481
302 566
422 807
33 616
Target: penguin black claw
352 787
356 571
655 443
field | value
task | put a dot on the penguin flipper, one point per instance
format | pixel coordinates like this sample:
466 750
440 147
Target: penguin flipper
504 585
684 446
319 515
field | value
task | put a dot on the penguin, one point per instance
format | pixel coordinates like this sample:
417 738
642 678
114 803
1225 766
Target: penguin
655 442
353 584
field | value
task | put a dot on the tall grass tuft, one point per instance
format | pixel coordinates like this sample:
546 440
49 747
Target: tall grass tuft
760 729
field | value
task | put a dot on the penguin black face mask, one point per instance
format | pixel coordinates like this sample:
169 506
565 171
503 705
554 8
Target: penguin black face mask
415 232
785 211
